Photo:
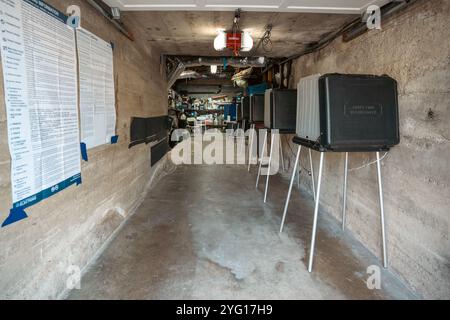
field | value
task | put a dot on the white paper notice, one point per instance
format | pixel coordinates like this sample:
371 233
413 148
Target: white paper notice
40 80
97 100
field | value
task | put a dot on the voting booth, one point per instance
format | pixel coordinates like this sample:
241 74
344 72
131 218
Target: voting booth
345 113
280 108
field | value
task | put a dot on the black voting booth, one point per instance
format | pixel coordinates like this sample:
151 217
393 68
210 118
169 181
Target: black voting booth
256 108
244 112
280 108
348 113
256 121
345 113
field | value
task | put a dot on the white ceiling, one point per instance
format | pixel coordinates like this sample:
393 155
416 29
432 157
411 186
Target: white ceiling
319 6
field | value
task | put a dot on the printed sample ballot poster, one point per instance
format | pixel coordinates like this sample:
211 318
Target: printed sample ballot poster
97 101
40 82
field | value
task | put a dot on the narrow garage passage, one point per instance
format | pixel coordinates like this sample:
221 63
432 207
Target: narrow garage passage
117 124
213 248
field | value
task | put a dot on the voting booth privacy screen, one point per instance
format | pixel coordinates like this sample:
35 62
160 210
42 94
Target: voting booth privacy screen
245 108
257 108
280 109
347 112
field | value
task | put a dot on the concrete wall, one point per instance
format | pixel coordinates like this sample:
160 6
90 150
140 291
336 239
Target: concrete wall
70 227
413 48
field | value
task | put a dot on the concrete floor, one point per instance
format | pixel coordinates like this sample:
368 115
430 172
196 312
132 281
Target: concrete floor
204 233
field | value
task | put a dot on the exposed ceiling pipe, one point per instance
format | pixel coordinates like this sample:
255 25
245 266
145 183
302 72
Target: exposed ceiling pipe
175 74
100 7
190 74
237 62
354 28
386 11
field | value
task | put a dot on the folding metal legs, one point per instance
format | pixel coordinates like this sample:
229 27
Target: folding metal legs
317 202
316 213
380 194
269 166
280 151
312 174
344 196
261 157
251 141
383 229
294 171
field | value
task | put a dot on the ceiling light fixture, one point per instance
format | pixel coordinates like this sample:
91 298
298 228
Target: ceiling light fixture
235 39
220 42
247 41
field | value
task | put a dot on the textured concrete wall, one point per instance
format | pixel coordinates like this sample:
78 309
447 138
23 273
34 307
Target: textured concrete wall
413 48
70 227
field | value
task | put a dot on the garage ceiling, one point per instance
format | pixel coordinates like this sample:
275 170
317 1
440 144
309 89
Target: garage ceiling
193 32
188 27
323 6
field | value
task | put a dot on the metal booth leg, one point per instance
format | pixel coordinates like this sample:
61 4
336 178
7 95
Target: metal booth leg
261 157
383 229
268 166
344 196
250 150
316 213
312 175
294 171
281 153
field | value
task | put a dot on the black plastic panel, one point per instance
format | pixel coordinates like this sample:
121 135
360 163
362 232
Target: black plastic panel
257 108
358 112
158 151
146 130
245 108
283 110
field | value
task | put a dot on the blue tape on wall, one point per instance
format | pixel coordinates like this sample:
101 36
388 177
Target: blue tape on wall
17 212
114 139
84 154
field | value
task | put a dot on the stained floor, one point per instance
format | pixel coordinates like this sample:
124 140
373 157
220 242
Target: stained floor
205 233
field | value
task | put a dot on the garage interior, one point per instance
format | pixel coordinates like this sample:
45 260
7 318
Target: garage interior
140 226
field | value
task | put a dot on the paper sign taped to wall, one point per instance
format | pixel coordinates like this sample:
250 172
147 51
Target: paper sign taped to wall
40 82
97 100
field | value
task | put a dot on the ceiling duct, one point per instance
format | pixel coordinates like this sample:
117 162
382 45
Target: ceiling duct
175 74
237 62
190 74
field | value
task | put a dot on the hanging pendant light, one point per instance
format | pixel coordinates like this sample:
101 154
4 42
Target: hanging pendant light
220 42
247 41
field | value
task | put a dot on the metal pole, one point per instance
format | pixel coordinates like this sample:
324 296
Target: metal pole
294 171
250 150
383 229
268 167
344 196
316 213
312 175
281 153
261 157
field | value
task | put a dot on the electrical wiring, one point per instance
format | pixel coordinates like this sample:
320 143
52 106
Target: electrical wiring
349 170
368 164
294 155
